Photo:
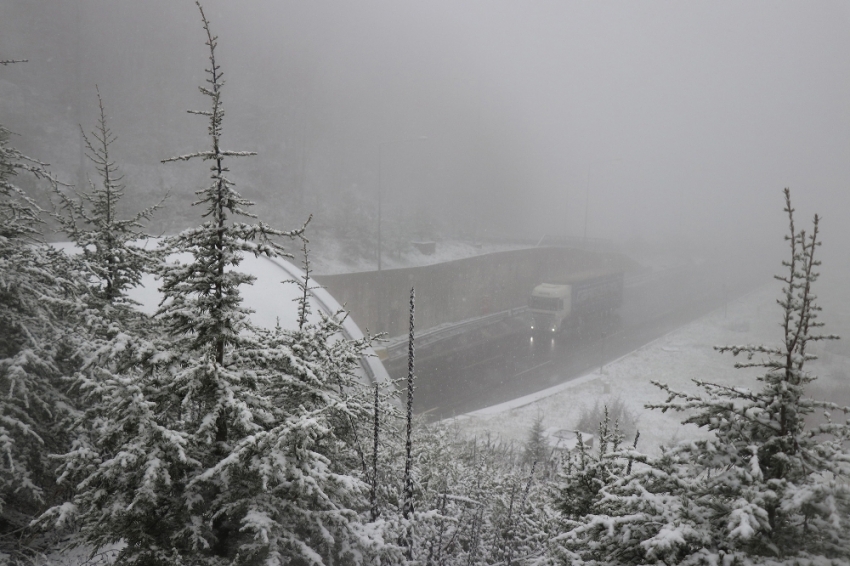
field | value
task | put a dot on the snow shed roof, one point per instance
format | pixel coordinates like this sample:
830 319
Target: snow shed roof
271 300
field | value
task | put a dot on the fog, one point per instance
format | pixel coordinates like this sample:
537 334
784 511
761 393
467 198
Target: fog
635 122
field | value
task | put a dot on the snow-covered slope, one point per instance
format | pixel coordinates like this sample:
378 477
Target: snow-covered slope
677 358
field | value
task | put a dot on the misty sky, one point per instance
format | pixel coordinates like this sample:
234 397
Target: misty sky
688 118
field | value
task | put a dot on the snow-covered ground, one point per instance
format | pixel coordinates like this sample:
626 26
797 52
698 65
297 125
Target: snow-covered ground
676 359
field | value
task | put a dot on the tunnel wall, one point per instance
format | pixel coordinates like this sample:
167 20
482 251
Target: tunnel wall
460 289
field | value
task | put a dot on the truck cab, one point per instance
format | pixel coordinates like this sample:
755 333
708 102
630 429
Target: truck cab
550 304
576 301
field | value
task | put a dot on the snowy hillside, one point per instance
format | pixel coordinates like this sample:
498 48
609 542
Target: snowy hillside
676 359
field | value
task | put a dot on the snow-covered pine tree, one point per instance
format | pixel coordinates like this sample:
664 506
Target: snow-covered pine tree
223 443
536 449
587 471
20 216
38 290
113 344
763 488
112 248
114 340
300 484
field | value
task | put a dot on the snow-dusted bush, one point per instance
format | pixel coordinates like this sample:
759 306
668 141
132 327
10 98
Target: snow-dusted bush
617 412
587 471
474 502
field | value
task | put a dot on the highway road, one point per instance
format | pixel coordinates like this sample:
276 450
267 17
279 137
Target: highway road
502 362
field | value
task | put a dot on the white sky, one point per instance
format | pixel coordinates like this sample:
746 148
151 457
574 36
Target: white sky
690 116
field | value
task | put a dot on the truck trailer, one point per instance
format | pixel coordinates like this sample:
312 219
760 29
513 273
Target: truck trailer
572 302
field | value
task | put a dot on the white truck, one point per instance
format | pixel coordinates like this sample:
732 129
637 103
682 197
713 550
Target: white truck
553 306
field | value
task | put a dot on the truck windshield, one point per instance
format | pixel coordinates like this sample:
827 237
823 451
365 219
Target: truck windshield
546 303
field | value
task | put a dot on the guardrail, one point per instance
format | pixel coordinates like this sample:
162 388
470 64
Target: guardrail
396 347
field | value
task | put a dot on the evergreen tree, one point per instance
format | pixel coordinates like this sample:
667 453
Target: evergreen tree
536 445
113 345
39 287
107 242
587 472
221 443
20 216
300 483
763 488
